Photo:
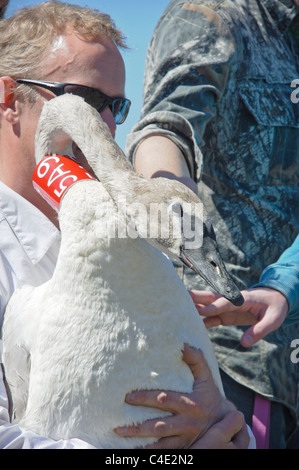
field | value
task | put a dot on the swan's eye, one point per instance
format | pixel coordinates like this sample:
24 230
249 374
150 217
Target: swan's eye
176 207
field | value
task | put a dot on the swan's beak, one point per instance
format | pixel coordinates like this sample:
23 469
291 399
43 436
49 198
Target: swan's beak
207 262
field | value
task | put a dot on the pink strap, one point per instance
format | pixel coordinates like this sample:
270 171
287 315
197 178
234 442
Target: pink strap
261 421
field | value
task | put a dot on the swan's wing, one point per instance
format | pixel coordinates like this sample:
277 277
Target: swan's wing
16 354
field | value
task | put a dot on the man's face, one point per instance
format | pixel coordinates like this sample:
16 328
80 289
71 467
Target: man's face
97 64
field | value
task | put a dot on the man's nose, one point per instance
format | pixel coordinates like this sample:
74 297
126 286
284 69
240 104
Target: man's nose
108 118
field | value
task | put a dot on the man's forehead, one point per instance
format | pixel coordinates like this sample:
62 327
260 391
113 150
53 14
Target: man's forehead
71 49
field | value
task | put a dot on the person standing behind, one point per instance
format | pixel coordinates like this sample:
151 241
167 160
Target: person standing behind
218 116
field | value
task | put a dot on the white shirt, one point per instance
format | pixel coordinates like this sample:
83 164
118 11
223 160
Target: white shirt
29 246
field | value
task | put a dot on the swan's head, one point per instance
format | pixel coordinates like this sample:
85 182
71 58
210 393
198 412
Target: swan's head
173 219
165 212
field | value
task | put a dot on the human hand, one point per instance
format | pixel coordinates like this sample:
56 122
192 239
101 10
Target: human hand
192 414
229 433
264 308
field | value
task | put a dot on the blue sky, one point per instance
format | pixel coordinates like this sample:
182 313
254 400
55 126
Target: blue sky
137 19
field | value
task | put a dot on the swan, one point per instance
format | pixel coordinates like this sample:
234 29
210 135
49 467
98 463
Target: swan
115 316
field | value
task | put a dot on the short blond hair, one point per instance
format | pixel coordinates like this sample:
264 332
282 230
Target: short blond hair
25 37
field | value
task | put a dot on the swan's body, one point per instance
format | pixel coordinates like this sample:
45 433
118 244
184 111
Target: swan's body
113 318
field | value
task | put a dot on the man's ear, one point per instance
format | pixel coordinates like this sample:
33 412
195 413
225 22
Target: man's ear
8 105
7 86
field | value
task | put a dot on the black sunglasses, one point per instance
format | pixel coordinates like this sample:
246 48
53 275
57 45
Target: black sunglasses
119 106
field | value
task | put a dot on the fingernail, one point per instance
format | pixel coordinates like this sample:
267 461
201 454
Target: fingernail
130 397
121 430
247 341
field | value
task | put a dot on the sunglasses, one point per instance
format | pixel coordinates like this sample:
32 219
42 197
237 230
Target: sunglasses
119 106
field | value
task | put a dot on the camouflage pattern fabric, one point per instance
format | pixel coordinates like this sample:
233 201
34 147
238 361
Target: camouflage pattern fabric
218 83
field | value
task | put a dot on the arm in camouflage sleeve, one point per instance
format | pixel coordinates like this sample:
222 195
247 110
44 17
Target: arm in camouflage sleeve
187 66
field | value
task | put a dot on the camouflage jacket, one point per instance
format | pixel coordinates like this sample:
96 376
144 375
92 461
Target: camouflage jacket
218 83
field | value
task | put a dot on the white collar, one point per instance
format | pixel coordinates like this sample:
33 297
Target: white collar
34 231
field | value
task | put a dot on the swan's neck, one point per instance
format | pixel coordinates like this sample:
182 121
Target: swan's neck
94 139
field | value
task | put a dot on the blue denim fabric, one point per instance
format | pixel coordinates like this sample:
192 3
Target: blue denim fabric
284 277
